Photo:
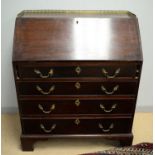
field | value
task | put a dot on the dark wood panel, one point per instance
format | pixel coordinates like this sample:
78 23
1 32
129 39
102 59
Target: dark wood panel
48 72
74 97
68 88
76 126
77 106
84 63
28 141
73 38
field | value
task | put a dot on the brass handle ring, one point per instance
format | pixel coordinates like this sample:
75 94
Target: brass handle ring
108 92
111 76
47 130
106 130
46 111
43 92
50 73
110 110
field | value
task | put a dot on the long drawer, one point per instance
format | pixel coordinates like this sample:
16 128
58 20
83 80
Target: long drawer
71 88
76 126
76 106
44 71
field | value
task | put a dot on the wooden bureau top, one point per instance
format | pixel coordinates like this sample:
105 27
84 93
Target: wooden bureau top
76 35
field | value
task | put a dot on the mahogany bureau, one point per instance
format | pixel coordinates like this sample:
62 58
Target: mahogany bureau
77 74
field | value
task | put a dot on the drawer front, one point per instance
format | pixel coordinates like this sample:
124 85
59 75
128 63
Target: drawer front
76 126
86 88
77 106
107 71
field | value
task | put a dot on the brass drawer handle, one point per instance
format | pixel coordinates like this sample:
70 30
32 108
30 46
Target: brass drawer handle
48 130
111 76
50 73
77 85
77 102
78 70
110 110
43 92
108 92
46 111
77 121
106 130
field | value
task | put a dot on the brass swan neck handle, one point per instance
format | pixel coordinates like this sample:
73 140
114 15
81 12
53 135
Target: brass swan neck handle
50 73
106 110
110 92
47 130
52 88
106 130
46 111
117 71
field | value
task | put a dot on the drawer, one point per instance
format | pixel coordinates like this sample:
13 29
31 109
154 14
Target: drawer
86 88
76 126
77 106
113 70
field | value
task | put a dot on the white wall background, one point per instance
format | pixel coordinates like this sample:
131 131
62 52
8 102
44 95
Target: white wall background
142 8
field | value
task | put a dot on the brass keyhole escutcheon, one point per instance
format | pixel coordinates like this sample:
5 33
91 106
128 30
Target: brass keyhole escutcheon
77 121
78 70
77 102
77 85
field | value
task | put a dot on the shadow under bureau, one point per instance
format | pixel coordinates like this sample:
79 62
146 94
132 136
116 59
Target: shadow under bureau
77 74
